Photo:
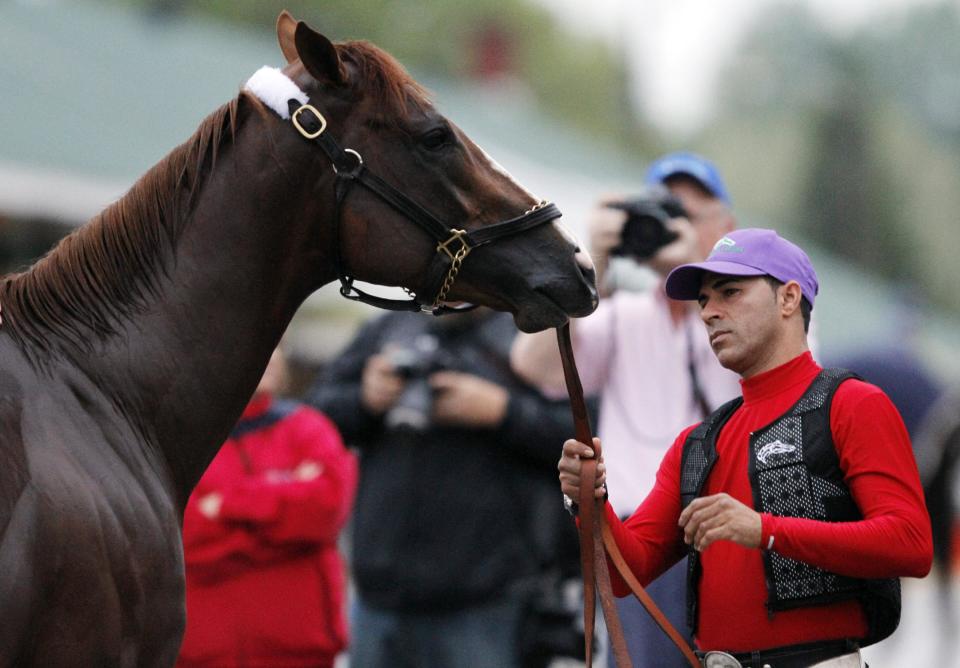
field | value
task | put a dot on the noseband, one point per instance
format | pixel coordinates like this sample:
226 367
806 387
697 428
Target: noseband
453 245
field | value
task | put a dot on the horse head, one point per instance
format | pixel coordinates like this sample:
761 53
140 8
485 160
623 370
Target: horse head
373 108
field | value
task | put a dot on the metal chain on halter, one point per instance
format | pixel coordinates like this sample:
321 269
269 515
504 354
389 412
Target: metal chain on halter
456 259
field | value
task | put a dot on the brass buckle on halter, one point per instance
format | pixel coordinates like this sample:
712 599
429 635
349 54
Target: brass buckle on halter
456 236
296 121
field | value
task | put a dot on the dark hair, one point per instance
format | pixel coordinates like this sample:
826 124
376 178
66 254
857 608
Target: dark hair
805 307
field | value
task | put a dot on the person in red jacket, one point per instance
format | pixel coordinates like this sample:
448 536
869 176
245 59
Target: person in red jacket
265 582
799 504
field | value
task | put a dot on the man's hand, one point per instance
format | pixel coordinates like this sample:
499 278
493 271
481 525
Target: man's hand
682 250
720 517
307 470
381 387
465 400
570 465
209 505
605 227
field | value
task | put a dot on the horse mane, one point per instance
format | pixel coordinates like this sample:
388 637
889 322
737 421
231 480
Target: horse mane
385 80
100 274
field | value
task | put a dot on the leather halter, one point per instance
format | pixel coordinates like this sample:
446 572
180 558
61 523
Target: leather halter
453 245
595 535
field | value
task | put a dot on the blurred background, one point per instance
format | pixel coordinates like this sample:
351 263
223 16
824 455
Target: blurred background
836 123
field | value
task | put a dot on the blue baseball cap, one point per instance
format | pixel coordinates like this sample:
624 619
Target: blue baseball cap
692 165
749 252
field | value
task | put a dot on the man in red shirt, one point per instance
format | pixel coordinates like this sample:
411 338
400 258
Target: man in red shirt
799 503
266 586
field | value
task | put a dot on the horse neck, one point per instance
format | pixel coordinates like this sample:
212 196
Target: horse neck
241 267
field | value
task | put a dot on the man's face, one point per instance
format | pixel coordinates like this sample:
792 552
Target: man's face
710 217
743 321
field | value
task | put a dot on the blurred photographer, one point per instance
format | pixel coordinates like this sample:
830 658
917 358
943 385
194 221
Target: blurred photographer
456 523
648 357
675 217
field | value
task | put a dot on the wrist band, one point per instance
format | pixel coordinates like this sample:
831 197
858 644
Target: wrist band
573 507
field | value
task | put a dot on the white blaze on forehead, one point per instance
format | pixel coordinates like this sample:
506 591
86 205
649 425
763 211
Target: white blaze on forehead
497 167
274 89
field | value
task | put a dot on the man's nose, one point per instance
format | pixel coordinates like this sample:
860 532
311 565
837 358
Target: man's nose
708 312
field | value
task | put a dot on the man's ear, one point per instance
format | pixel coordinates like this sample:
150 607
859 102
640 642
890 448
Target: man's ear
286 26
790 296
318 55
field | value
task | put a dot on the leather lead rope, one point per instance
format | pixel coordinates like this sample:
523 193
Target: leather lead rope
595 535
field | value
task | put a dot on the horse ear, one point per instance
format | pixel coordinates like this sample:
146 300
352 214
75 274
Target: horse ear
286 25
318 55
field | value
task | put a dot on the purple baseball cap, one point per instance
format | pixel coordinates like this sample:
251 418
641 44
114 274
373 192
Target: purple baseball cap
748 252
692 165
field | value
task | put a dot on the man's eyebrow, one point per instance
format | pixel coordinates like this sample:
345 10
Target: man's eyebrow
720 282
717 284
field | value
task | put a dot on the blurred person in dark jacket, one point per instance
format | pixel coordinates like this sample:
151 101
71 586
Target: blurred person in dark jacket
456 517
265 582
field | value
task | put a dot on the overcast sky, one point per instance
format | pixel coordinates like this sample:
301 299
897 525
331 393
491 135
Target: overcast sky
674 47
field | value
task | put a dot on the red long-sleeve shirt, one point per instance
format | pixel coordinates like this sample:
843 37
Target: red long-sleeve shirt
265 583
893 539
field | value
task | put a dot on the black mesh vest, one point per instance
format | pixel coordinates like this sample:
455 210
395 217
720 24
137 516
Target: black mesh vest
795 472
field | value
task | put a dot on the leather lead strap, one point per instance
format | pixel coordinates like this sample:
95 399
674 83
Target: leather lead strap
617 558
595 535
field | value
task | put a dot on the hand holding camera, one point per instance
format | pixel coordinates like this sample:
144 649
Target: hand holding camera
646 229
465 400
652 228
381 386
605 227
415 387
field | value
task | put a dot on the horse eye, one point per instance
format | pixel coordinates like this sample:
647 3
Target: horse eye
437 139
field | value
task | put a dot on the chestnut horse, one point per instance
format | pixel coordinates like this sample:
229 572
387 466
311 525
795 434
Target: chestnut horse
130 350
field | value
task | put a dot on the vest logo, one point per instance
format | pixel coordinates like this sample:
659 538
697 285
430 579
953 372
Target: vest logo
726 245
778 447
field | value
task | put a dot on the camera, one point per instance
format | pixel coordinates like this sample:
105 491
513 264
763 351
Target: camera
645 231
415 364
